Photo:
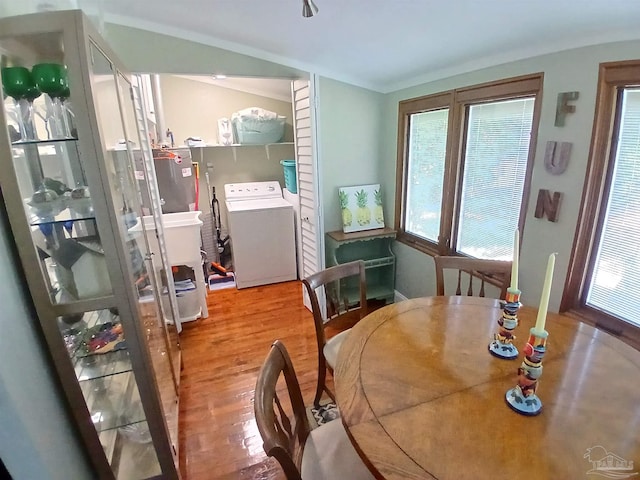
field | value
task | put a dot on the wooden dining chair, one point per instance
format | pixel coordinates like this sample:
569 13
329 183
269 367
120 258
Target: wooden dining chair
345 291
475 270
320 454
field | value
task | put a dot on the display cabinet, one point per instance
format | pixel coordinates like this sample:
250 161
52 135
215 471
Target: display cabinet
372 246
69 127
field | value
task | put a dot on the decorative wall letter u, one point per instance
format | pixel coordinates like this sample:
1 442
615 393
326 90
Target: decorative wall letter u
556 158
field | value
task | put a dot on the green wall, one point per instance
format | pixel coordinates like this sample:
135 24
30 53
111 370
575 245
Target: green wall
349 131
573 70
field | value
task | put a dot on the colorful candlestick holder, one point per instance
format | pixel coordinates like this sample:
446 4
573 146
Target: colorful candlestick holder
522 398
502 345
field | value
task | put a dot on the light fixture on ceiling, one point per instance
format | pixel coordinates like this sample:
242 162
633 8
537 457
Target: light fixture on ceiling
309 8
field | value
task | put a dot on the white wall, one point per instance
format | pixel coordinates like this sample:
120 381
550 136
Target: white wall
36 440
574 70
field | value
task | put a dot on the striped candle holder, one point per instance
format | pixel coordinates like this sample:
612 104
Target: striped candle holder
502 345
522 398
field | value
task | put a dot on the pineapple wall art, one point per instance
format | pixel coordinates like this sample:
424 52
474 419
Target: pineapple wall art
361 208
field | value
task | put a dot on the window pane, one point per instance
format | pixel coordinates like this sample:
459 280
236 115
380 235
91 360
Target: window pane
495 167
427 149
615 284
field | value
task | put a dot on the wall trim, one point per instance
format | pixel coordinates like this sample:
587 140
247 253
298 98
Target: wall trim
398 297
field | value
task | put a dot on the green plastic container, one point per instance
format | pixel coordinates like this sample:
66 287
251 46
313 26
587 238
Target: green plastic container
290 175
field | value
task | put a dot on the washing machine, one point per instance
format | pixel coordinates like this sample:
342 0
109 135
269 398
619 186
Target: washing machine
260 223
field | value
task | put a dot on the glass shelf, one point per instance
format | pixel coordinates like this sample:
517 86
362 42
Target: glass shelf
100 366
72 260
43 142
89 365
130 451
113 402
106 379
66 215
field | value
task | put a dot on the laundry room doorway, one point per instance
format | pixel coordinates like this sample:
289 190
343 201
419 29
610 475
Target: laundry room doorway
204 113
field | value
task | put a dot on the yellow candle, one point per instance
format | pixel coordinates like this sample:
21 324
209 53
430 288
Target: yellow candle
514 263
544 298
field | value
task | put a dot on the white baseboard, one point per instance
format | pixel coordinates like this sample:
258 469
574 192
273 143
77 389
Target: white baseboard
398 297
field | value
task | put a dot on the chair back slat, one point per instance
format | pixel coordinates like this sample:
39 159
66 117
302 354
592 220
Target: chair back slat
284 425
470 287
333 281
283 435
481 270
482 278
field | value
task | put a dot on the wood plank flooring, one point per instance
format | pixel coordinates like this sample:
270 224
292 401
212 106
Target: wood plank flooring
221 356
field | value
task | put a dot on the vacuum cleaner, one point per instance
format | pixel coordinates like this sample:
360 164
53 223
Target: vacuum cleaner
223 244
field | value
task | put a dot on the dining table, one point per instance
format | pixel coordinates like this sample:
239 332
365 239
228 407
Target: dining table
421 397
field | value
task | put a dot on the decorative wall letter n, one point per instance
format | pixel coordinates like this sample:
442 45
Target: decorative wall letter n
548 206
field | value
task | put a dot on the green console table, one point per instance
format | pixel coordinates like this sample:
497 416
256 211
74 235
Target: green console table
372 246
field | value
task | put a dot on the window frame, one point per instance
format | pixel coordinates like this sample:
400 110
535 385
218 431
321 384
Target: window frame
613 77
458 101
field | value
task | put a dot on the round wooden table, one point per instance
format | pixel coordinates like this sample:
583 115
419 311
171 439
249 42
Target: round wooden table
421 397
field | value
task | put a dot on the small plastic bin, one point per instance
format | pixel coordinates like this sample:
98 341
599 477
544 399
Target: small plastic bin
188 303
290 180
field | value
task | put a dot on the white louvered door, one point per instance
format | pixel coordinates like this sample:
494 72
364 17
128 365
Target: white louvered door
310 244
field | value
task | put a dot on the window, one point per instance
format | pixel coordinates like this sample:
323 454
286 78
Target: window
604 272
464 163
427 149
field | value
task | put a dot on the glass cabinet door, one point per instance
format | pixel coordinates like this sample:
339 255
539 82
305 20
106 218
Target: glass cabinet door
73 206
158 317
137 233
119 151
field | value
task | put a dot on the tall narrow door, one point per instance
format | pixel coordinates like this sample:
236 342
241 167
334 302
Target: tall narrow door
310 244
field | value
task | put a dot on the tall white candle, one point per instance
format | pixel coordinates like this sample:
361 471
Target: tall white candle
546 291
514 263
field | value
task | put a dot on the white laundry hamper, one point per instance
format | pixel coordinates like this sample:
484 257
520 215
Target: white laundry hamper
256 126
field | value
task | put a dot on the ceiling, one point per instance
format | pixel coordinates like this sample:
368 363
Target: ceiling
391 44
